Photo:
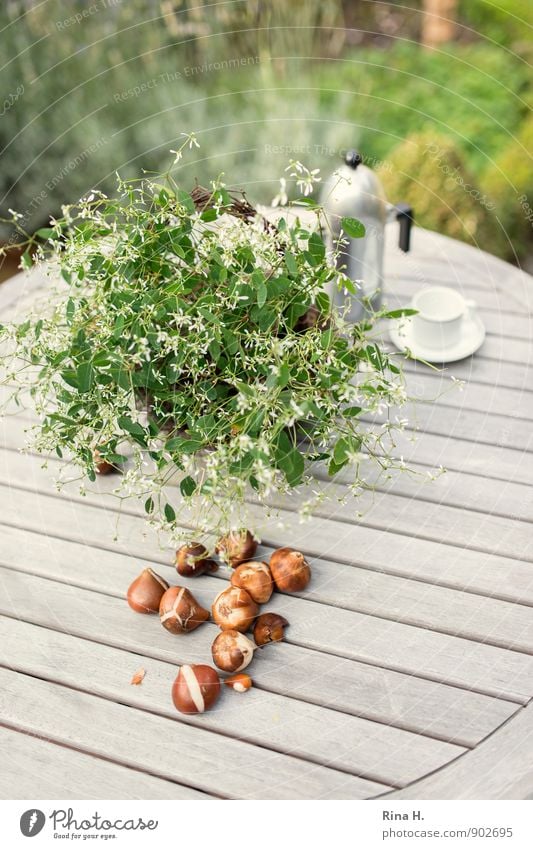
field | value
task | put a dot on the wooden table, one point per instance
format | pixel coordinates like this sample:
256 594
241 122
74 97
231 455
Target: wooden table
408 668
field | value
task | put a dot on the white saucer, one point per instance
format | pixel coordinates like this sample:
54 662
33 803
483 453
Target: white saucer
401 334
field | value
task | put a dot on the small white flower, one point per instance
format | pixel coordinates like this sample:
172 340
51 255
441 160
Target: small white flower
281 199
191 140
305 178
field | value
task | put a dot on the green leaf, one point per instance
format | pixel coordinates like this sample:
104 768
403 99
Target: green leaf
266 320
344 447
326 338
184 199
316 247
70 377
352 227
170 514
351 412
69 310
183 446
26 259
290 262
289 460
334 467
188 486
262 293
45 232
149 505
85 376
284 376
307 201
400 313
131 427
323 303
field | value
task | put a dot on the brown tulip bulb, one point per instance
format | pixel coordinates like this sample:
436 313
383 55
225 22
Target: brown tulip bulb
180 612
240 683
237 547
234 609
145 593
103 467
269 628
290 570
196 688
256 579
232 651
192 560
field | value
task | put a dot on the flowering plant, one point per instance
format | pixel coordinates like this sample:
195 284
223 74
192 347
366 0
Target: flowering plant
196 336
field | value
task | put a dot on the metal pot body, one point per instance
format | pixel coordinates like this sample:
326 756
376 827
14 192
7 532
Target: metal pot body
357 193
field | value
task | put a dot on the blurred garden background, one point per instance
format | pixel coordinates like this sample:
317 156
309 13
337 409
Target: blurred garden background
437 96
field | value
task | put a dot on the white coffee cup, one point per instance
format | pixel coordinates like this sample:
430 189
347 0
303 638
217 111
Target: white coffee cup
441 311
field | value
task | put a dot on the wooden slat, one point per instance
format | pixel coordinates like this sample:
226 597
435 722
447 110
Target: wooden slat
436 387
500 768
448 610
170 748
455 489
344 633
506 536
418 558
22 288
487 372
405 701
346 622
500 463
38 769
403 288
503 328
437 257
424 520
400 554
313 734
469 425
407 557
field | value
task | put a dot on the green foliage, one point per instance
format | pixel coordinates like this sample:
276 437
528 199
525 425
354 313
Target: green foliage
429 172
193 335
115 90
504 21
509 181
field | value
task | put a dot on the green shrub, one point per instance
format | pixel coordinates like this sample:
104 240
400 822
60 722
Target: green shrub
503 21
429 172
509 181
90 106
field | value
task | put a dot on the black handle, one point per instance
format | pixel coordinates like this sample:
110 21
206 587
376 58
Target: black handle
405 215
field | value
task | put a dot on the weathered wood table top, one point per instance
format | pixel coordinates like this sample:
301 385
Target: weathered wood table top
408 667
